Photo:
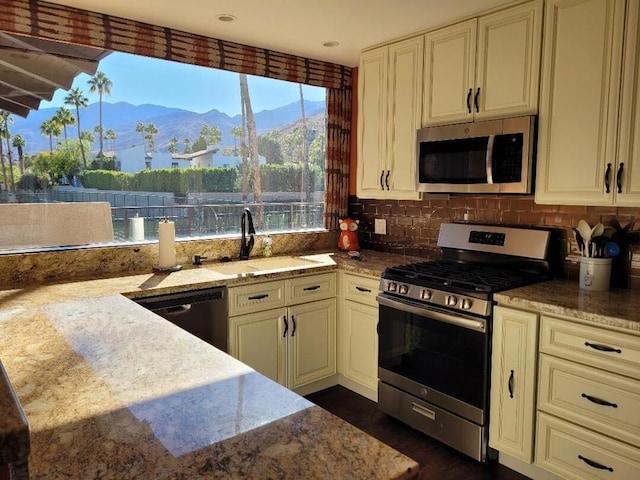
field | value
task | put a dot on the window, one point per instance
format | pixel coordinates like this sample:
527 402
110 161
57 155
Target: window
158 139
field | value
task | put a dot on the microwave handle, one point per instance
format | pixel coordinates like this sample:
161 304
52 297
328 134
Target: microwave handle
489 159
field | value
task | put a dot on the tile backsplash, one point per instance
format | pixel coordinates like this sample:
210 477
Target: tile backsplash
412 226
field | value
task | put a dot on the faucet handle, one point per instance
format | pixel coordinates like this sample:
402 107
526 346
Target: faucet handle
197 259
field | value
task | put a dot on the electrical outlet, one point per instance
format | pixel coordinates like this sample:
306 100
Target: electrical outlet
380 226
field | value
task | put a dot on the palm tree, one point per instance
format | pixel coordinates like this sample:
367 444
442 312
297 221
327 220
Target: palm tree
306 180
173 145
77 98
140 130
187 146
237 133
253 147
6 119
100 83
19 142
111 136
150 131
49 128
4 167
64 117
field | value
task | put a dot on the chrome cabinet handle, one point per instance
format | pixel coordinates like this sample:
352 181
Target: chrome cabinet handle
362 289
469 100
286 326
259 297
619 177
599 401
381 179
602 348
593 464
475 100
607 178
510 385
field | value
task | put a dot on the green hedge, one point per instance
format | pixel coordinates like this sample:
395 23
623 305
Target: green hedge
274 178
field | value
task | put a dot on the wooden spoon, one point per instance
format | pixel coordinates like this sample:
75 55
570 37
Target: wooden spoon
585 231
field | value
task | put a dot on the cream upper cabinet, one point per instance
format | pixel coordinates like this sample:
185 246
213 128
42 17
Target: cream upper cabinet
389 95
484 68
579 106
513 382
627 184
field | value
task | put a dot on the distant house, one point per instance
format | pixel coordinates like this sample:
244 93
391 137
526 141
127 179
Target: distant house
202 158
134 159
220 160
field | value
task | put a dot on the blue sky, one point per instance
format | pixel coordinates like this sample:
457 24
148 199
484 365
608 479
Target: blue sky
140 80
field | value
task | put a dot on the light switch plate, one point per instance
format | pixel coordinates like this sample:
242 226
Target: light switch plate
380 226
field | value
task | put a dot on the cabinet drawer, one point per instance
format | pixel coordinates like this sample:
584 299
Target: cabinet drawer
256 297
576 453
613 351
605 402
361 289
309 288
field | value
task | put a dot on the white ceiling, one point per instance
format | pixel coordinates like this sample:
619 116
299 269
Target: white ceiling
295 26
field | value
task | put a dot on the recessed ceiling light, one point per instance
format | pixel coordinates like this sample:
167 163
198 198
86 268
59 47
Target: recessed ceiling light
225 17
330 43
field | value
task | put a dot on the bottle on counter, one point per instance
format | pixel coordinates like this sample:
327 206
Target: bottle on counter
267 246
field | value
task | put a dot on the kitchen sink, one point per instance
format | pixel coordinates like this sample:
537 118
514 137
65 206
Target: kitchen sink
263 265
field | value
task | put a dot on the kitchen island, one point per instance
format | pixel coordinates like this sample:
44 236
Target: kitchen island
111 390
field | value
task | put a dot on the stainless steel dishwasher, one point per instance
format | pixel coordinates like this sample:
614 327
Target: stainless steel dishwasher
202 313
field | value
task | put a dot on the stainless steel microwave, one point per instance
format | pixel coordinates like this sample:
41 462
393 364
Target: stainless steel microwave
493 156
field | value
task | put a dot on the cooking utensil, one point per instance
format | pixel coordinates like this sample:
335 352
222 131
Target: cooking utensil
579 240
611 249
598 245
585 231
597 230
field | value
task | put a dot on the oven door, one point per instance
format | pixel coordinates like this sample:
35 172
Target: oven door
437 355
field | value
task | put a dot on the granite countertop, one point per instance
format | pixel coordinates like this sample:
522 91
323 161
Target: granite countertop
618 309
111 390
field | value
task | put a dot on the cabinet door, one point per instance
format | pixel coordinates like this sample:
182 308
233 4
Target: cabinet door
579 101
372 122
449 74
257 339
508 62
404 110
629 145
360 344
312 342
513 364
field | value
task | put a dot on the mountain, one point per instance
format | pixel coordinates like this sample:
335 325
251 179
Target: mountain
123 117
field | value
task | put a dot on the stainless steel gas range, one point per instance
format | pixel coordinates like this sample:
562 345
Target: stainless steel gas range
434 330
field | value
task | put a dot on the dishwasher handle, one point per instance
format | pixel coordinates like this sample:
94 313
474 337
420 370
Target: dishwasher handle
177 310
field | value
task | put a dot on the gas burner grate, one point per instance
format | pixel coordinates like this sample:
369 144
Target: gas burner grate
475 277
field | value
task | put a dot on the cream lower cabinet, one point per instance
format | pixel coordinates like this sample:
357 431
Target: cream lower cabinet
513 382
293 343
357 334
588 401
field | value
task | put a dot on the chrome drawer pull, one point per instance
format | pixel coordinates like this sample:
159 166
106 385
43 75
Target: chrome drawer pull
362 289
259 297
315 287
593 464
602 348
425 412
599 401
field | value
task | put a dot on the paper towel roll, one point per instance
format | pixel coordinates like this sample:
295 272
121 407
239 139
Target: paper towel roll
167 244
136 229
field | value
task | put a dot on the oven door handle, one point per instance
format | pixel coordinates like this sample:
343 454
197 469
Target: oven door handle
468 323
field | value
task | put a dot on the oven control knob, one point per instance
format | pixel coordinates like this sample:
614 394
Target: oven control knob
466 303
403 289
426 294
392 287
451 300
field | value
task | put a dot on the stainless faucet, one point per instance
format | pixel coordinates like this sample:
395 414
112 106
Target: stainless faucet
246 247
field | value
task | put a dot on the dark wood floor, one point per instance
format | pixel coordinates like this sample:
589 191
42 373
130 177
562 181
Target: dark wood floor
437 461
